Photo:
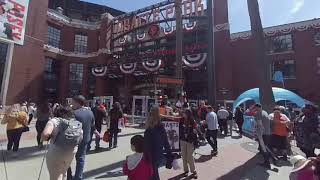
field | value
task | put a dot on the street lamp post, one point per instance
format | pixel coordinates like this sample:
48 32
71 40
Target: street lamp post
262 61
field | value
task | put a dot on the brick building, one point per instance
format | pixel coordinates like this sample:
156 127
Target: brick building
73 47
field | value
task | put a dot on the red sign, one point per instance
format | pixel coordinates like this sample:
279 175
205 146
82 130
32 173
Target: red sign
162 80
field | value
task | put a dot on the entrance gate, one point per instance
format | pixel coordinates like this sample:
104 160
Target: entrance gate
106 100
141 105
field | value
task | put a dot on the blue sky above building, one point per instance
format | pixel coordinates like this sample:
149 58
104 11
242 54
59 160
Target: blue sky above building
273 12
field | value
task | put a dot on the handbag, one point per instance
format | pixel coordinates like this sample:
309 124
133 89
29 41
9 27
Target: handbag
106 136
25 129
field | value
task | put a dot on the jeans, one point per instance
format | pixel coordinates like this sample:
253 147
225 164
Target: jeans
30 118
80 157
230 125
14 136
213 143
223 126
240 124
264 143
113 138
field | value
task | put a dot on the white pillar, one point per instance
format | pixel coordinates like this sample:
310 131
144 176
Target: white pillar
6 74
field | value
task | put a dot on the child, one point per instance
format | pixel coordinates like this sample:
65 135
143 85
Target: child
137 166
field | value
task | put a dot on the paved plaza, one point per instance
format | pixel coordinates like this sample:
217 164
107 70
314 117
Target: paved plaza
237 160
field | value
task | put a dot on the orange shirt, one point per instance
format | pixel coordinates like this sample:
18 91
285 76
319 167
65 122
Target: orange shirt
280 127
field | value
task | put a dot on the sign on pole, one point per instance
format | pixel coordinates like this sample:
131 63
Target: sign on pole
172 129
13 17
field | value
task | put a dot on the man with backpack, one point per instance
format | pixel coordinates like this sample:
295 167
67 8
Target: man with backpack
65 134
86 117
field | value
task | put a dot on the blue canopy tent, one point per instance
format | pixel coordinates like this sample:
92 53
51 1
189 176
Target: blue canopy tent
280 94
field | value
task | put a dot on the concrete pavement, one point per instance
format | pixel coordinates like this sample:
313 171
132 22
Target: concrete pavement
237 160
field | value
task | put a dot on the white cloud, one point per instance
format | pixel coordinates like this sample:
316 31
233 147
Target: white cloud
297 5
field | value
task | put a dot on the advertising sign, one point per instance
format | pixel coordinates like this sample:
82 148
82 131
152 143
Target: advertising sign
172 129
13 17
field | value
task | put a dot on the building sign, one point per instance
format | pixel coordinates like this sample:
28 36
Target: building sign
156 14
172 129
13 17
163 80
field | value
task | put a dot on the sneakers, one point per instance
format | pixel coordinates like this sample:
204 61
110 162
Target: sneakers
214 153
194 175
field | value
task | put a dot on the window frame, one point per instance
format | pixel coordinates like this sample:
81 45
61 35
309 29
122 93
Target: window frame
54 36
273 49
80 43
76 72
283 64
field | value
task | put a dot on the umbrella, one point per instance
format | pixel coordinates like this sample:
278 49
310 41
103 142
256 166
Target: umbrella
280 94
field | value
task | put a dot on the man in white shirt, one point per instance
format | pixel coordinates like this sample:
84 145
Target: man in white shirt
223 115
212 131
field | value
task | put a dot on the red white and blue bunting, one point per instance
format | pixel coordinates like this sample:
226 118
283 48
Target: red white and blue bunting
99 71
152 65
190 26
194 60
141 36
128 68
123 40
168 30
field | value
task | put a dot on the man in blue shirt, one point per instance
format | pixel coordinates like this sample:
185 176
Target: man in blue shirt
86 117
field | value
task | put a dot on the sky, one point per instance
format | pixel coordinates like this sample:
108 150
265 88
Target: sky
273 12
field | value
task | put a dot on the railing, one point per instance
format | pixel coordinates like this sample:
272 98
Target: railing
72 22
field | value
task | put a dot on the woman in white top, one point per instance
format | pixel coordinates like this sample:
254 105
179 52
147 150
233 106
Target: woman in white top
58 159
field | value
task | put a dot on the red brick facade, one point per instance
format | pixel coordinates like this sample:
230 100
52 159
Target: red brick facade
234 58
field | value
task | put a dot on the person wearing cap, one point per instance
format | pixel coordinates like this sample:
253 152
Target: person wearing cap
86 117
305 169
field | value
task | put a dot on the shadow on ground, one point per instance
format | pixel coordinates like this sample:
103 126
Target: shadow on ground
241 171
24 153
105 169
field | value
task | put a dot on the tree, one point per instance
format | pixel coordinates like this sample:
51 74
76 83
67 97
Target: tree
262 62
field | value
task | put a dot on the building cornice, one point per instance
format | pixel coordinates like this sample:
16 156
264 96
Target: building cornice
280 30
55 50
60 18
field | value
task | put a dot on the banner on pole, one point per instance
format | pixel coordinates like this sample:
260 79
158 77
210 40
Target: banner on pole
172 129
13 17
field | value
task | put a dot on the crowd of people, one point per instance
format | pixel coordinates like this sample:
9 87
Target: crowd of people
70 130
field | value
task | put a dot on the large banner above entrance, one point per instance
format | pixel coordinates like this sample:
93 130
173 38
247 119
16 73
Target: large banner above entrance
13 17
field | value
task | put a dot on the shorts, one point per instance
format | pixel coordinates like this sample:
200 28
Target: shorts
279 142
